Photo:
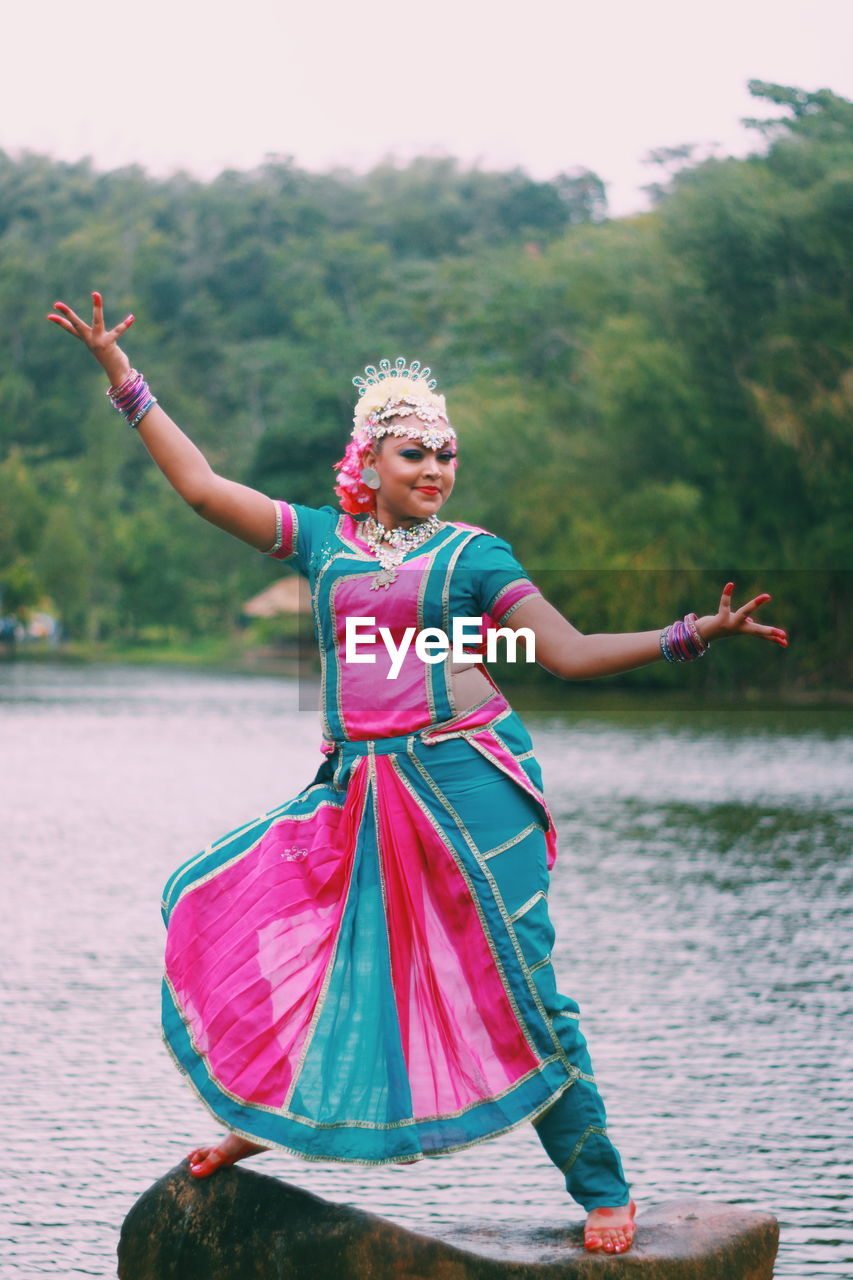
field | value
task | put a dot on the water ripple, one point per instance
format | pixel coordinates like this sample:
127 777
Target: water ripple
701 904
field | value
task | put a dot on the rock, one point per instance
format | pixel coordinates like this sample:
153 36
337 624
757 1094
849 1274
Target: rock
240 1225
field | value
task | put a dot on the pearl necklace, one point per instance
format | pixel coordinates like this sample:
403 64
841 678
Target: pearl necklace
391 546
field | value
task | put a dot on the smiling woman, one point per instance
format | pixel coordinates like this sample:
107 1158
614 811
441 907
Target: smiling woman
410 475
364 973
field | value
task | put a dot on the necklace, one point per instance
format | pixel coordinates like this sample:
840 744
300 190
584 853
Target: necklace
391 546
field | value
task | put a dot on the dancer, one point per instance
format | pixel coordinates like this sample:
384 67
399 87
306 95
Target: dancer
364 973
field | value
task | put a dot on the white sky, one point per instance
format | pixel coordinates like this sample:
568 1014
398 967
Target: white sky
546 84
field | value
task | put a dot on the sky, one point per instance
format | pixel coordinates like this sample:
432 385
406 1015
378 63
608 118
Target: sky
547 85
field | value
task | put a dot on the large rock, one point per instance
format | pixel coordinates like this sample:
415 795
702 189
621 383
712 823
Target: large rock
240 1225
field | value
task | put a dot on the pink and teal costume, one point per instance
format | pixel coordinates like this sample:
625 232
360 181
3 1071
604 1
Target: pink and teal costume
364 974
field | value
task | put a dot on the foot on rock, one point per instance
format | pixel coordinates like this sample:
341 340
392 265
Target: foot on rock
610 1230
206 1160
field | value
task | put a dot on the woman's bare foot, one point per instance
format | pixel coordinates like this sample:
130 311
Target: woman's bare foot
610 1230
206 1160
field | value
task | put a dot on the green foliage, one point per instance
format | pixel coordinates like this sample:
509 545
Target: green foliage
646 406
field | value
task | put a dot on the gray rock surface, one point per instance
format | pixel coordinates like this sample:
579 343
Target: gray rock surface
240 1225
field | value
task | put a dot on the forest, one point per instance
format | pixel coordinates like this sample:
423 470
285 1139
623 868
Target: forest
646 405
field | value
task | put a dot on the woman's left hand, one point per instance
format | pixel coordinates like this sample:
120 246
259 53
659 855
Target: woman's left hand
101 341
732 622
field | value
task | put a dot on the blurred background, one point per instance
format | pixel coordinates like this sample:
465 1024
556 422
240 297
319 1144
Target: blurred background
639 398
623 239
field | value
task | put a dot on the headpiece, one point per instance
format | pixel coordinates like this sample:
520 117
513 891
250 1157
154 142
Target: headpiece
386 393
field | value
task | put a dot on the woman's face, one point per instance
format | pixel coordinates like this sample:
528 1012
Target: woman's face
414 481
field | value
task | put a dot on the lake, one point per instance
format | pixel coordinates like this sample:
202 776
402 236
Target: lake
702 906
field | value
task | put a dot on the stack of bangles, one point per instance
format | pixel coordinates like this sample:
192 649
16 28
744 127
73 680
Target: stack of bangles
682 642
132 398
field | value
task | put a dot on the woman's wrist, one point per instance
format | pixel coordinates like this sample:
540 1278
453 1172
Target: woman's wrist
116 366
132 398
683 641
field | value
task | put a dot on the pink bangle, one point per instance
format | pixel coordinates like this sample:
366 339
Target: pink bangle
690 621
112 392
132 398
682 641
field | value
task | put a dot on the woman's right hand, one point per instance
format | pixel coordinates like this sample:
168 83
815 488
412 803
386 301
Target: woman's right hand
102 342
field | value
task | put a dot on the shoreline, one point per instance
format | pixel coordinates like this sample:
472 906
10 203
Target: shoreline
222 656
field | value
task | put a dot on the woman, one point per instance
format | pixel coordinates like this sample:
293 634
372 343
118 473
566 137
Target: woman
364 973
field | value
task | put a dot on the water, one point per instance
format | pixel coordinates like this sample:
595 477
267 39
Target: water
699 901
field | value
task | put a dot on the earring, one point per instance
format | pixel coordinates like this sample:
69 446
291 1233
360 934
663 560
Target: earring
370 477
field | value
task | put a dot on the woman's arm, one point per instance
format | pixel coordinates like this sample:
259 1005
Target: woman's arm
566 652
236 508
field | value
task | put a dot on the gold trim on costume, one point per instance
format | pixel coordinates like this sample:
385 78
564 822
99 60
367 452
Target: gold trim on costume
465 876
534 591
478 906
590 1129
380 1126
539 896
445 609
286 1113
517 839
444 729
271 820
499 902
530 595
270 1145
527 785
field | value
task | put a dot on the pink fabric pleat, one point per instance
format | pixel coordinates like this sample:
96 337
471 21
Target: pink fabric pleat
248 950
460 1036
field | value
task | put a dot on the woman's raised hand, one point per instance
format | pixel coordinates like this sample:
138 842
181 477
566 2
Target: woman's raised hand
102 342
731 622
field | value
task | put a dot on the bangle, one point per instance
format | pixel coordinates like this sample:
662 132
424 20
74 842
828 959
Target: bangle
683 641
700 644
132 398
123 385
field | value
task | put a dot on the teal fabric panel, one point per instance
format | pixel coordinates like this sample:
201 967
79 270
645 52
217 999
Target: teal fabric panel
485 567
354 1066
476 807
312 527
